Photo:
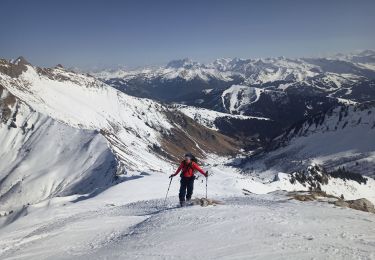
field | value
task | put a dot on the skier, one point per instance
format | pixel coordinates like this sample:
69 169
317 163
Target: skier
187 168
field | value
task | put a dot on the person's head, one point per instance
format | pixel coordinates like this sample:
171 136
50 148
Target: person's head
188 157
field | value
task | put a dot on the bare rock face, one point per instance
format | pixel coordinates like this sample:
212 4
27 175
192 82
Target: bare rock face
341 203
359 204
7 105
15 68
362 204
21 61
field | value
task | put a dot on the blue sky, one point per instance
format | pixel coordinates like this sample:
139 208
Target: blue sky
136 33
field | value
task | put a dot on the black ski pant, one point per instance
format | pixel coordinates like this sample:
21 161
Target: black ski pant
186 188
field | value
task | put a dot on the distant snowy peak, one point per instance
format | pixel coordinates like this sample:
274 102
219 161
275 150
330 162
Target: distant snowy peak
20 61
170 72
258 71
255 71
185 63
364 56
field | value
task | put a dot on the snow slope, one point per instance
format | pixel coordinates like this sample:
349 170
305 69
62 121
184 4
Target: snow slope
208 117
237 97
53 117
81 126
128 221
41 158
343 136
137 125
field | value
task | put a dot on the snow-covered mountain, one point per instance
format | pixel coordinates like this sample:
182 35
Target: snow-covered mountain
282 89
211 118
341 137
86 164
321 75
42 158
52 117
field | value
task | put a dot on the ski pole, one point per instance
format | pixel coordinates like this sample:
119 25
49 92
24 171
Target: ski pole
166 195
206 186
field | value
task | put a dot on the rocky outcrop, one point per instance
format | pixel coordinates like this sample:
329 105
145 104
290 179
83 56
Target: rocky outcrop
206 202
359 204
13 69
7 103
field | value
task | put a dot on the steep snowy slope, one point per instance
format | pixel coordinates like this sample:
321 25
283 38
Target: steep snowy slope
342 137
41 158
64 133
139 130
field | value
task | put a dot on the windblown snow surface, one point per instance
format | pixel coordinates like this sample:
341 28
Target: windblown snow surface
129 220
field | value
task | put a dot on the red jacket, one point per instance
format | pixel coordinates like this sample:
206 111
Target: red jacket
188 169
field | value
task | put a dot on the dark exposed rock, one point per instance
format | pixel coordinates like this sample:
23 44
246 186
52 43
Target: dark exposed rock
7 101
13 69
316 176
344 174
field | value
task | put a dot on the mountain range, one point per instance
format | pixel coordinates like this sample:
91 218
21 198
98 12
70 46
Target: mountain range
282 89
84 157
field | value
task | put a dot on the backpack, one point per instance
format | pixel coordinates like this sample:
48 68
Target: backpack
194 159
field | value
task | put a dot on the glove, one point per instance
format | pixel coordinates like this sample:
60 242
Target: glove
206 175
171 176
